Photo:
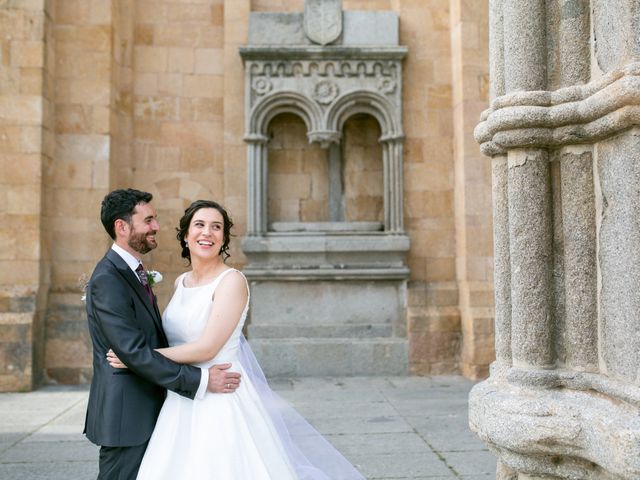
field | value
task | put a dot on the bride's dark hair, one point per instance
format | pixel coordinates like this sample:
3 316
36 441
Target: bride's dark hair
185 221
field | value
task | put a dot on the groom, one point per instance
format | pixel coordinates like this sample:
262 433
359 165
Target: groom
123 315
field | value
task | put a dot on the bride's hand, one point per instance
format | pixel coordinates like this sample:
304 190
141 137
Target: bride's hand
114 361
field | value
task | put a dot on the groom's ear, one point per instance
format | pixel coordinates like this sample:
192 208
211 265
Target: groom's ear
120 227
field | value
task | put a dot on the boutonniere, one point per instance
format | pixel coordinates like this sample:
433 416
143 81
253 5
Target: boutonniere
83 281
153 277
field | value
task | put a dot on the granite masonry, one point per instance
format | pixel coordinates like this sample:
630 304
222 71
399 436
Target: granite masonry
563 398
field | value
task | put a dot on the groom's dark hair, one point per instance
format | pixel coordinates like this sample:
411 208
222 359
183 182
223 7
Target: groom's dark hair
120 205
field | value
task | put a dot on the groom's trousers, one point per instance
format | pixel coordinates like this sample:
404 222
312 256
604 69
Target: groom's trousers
120 463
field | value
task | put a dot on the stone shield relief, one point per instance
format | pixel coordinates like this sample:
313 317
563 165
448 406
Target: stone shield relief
323 20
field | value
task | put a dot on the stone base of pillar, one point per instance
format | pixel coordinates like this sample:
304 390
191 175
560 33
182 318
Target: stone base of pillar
557 433
18 321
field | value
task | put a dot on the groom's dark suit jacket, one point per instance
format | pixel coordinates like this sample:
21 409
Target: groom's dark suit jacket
124 404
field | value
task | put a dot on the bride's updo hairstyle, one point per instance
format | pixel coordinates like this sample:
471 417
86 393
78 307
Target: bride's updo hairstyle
185 221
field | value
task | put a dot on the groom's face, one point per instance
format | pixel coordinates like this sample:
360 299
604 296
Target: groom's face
143 228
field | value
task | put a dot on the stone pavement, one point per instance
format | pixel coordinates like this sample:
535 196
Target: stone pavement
391 428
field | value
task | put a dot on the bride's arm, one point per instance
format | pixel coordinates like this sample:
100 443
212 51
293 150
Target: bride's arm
228 304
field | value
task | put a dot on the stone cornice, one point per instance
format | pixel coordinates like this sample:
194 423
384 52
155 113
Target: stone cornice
568 116
325 274
280 52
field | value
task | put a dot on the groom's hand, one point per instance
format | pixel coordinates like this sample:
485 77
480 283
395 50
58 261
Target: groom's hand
221 380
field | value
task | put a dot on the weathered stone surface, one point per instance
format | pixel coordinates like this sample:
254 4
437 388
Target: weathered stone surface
619 250
562 401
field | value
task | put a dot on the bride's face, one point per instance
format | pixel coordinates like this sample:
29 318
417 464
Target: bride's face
206 233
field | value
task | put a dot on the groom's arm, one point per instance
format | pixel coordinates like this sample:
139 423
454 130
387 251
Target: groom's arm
111 303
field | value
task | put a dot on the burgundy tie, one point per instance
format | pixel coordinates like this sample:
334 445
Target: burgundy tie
142 275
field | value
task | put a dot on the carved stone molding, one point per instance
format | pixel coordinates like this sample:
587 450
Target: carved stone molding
568 116
595 445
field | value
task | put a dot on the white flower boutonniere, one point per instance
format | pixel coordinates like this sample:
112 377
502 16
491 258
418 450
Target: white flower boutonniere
153 277
83 281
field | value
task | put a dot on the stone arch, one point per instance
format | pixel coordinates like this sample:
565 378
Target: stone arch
367 102
283 102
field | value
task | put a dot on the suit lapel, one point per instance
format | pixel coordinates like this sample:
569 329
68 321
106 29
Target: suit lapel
137 287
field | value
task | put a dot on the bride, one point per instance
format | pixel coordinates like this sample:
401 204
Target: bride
251 434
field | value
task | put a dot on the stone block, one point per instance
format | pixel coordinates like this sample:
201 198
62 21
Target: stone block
27 54
23 199
207 109
21 109
81 148
149 83
95 38
100 12
31 81
156 108
177 35
143 34
343 357
21 169
69 354
72 12
290 186
196 134
69 174
150 59
192 13
89 92
166 84
207 86
180 60
209 61
195 158
440 269
217 15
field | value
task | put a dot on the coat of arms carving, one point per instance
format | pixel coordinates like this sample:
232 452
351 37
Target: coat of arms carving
323 20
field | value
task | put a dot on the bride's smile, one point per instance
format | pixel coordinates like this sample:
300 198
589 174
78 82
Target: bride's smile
206 233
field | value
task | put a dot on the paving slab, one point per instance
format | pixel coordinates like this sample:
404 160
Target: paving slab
391 428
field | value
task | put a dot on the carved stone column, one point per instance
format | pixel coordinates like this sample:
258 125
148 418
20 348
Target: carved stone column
393 185
257 184
563 398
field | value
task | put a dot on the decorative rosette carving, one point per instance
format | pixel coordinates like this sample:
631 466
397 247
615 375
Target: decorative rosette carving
262 85
325 91
387 85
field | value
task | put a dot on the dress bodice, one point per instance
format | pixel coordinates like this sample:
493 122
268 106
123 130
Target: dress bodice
187 314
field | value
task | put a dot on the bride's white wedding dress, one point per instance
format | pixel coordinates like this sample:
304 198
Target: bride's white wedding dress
250 434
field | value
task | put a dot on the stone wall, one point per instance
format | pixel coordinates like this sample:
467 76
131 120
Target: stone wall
563 398
25 143
100 94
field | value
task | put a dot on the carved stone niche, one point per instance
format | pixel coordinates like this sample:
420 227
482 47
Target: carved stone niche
343 264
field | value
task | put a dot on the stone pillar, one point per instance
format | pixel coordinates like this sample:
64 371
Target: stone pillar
580 339
530 237
529 196
257 168
499 176
568 404
502 263
393 185
26 148
336 189
472 174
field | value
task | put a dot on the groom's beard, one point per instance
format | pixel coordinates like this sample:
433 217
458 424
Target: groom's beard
141 242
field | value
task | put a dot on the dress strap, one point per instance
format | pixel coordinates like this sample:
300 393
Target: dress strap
179 281
219 279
